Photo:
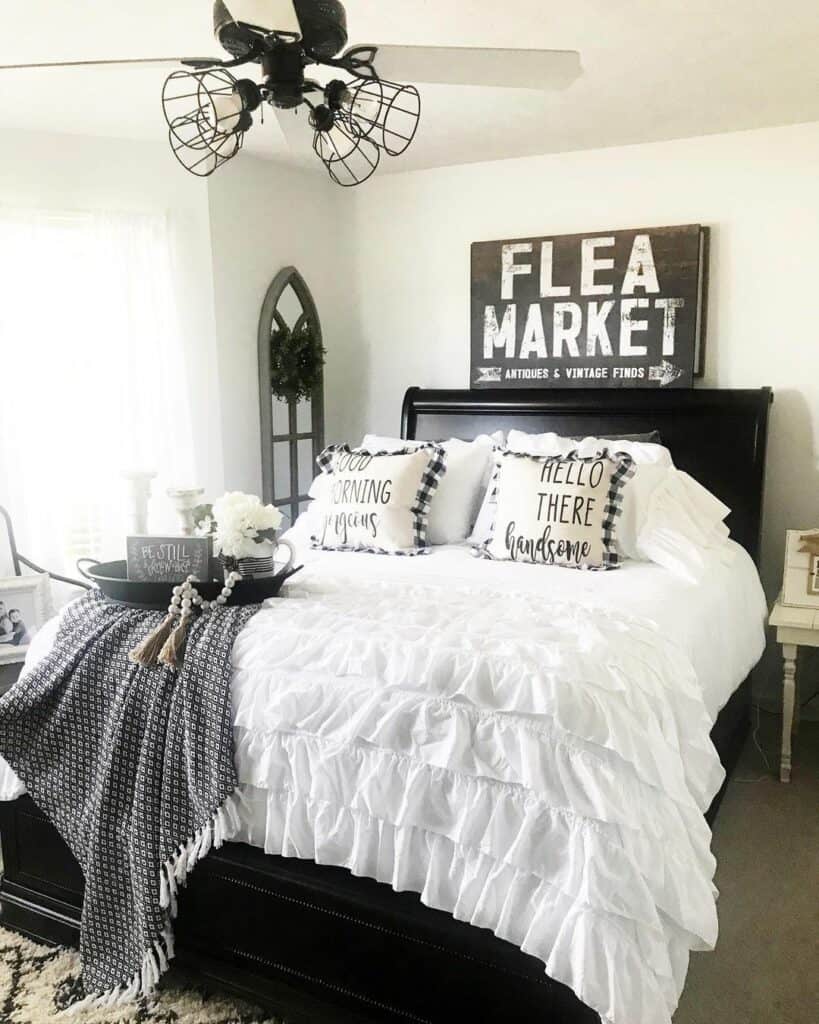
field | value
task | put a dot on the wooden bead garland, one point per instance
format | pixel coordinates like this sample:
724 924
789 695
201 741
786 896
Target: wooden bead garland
166 643
185 596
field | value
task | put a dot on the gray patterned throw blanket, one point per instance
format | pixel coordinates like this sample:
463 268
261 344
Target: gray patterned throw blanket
134 766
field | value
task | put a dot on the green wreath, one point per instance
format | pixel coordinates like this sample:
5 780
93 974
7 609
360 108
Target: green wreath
296 361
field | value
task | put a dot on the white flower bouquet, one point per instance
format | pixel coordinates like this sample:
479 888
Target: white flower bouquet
241 527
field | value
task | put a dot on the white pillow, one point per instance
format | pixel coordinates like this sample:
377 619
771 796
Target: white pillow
306 525
378 501
459 494
551 510
668 517
642 452
652 463
482 529
683 527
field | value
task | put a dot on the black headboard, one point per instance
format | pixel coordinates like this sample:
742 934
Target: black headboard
718 435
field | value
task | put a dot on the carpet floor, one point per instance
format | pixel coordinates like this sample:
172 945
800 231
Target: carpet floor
764 969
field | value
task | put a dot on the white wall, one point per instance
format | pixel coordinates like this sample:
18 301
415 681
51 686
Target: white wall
263 217
757 190
69 172
388 265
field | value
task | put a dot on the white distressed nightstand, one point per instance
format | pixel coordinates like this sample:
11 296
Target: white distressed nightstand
795 628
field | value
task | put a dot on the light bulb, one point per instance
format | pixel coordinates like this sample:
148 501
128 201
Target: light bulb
382 111
348 155
363 105
207 113
226 113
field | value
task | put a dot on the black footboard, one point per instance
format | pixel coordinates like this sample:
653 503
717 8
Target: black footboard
313 943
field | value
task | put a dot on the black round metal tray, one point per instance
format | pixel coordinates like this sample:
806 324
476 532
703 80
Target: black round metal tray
112 579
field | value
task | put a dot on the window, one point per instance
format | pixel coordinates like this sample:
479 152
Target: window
292 432
93 381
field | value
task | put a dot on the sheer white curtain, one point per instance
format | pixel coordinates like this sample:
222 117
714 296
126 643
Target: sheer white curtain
92 376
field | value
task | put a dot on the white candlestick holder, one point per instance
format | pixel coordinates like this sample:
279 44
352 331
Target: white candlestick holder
184 502
137 495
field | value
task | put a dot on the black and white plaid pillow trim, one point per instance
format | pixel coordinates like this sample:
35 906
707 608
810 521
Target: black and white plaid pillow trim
498 451
624 470
430 478
614 505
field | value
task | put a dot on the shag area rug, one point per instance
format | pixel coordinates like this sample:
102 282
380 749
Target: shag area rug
37 982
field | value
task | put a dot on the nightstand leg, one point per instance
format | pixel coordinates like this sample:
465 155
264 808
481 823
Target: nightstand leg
788 695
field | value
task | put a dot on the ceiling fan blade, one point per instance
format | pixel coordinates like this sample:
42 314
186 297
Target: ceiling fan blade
268 15
295 128
457 65
202 62
102 63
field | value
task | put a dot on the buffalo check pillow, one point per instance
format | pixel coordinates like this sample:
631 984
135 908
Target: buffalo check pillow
557 510
378 501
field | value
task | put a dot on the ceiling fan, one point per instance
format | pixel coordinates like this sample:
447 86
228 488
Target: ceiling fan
355 117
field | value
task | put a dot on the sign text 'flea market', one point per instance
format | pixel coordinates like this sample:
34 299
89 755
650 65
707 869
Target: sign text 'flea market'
616 309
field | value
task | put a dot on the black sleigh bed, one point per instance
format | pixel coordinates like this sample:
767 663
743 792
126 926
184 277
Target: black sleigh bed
316 944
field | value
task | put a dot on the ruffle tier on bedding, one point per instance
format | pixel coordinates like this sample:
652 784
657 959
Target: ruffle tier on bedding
623 973
582 857
509 748
602 679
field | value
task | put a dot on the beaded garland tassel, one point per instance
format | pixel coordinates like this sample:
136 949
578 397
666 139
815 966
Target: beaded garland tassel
166 644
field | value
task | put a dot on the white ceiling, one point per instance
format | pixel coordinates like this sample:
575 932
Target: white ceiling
652 70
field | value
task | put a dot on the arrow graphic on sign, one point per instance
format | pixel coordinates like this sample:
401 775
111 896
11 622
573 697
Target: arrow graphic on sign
488 374
665 373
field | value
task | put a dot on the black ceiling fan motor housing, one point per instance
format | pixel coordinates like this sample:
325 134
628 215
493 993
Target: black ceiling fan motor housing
323 26
238 39
283 69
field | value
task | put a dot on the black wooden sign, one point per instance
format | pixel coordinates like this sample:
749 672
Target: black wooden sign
609 309
168 559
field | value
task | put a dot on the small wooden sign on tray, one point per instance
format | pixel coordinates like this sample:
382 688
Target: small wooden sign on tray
168 559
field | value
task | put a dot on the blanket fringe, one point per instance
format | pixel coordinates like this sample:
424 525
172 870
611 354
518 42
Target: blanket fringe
222 826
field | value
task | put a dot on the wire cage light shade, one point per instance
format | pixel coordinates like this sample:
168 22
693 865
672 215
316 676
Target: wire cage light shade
385 112
349 156
206 118
208 112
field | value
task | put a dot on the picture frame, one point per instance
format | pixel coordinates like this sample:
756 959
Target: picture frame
26 604
800 582
813 576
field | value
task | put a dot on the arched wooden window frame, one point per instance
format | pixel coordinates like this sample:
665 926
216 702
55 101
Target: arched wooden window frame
287 494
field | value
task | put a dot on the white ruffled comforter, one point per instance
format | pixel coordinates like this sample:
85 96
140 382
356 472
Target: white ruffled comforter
541 770
535 767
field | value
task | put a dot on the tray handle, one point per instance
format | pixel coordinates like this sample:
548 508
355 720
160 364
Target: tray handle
82 572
